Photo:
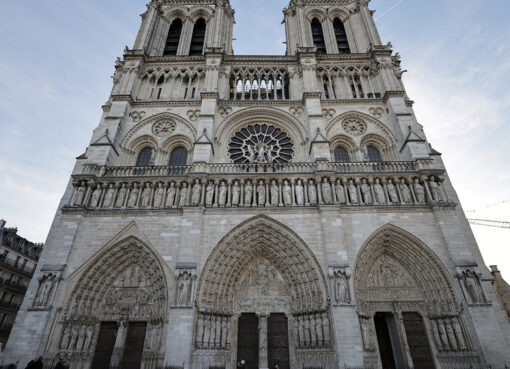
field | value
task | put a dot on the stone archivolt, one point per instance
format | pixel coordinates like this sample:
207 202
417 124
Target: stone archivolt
258 238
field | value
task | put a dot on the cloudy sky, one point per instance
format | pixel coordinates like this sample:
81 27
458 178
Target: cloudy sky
57 57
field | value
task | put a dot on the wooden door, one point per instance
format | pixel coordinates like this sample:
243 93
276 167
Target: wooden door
105 343
133 349
248 340
417 341
278 341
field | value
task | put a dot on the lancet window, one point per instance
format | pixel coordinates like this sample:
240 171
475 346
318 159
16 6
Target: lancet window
259 84
318 36
341 37
341 155
198 37
374 155
144 157
172 84
178 157
174 35
358 82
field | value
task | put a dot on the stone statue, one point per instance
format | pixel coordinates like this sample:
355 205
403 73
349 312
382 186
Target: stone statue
472 288
222 197
419 190
88 338
318 330
261 192
451 335
43 295
312 193
80 194
200 331
261 154
75 332
365 190
458 333
236 193
437 338
325 329
196 192
121 196
121 335
224 329
434 189
300 198
405 192
96 196
340 192
341 288
442 334
207 332
251 154
159 196
183 194
184 288
209 194
301 324
275 192
170 198
146 195
327 196
81 339
392 192
366 333
248 194
133 196
379 192
360 155
308 334
66 336
108 199
353 192
287 194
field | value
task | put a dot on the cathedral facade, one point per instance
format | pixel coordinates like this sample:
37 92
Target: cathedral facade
273 209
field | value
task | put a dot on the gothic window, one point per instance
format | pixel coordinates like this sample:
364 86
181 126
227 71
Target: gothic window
341 155
174 35
198 38
374 155
318 36
341 37
178 157
357 88
261 143
144 157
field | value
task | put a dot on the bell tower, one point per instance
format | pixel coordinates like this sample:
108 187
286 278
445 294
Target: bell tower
333 27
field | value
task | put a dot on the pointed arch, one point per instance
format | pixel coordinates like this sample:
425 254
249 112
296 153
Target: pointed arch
420 269
262 236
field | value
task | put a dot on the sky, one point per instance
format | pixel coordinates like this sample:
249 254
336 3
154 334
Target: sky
57 57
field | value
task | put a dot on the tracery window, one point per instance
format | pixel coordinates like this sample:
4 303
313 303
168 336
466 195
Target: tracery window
174 35
144 157
374 155
318 36
341 155
178 157
198 38
341 37
261 143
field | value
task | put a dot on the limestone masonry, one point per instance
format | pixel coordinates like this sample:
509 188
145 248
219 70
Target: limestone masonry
274 209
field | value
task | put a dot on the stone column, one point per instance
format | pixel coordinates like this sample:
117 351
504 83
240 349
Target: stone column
263 352
118 349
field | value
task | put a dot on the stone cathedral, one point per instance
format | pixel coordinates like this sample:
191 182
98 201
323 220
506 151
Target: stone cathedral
281 209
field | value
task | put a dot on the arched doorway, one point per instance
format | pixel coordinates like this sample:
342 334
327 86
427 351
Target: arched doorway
262 274
408 310
117 310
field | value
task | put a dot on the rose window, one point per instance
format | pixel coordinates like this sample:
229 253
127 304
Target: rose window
355 127
261 143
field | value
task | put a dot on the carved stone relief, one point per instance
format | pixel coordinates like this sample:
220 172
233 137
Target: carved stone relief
339 278
137 115
193 115
185 284
45 292
367 332
470 281
354 126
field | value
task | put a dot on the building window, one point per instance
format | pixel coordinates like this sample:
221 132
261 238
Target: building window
341 37
198 38
144 157
318 36
341 155
174 35
374 155
178 157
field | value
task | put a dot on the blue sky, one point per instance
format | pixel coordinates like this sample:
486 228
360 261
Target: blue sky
57 57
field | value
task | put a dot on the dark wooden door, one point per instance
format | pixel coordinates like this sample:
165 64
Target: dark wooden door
248 340
105 343
384 341
417 341
278 341
133 349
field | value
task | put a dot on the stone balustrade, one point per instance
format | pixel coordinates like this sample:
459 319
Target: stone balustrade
259 185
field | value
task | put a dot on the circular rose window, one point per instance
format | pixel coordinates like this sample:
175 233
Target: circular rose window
260 143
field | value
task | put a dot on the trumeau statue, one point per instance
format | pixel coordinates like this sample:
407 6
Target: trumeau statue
170 198
312 193
419 190
196 193
209 194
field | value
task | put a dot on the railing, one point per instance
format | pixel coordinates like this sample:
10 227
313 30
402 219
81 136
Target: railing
280 168
22 268
13 285
9 305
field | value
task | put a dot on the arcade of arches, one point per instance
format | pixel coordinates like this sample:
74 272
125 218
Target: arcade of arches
264 298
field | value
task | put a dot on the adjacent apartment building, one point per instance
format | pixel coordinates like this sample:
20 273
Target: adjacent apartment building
18 259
